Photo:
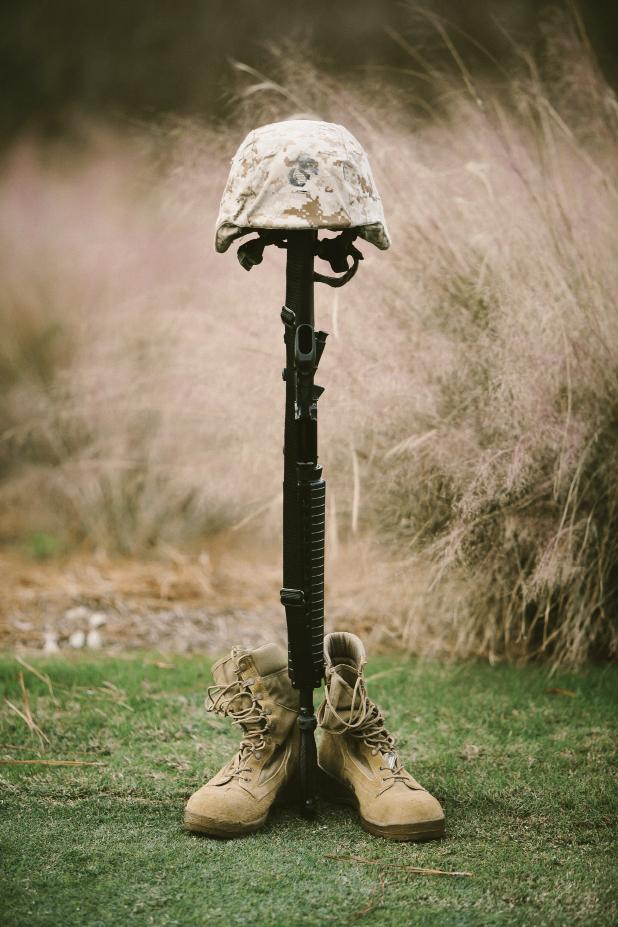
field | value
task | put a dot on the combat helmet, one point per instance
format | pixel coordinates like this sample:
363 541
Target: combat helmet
302 174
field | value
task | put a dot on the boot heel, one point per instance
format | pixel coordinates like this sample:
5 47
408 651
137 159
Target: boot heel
332 790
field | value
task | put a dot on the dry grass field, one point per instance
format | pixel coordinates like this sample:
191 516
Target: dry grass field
470 422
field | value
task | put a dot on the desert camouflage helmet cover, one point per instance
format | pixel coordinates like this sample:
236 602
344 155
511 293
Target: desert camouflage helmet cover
301 174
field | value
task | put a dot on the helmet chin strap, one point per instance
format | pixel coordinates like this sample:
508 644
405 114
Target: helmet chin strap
335 251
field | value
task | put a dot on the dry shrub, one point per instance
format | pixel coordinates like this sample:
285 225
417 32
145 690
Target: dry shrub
469 427
119 371
501 474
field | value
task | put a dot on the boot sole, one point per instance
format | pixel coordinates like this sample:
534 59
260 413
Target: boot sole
200 825
334 791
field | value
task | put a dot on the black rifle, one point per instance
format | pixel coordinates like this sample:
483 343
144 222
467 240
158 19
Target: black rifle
304 490
304 499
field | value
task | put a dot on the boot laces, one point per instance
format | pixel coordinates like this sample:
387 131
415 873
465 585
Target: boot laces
366 722
238 702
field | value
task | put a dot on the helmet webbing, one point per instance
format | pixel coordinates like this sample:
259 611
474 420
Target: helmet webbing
336 251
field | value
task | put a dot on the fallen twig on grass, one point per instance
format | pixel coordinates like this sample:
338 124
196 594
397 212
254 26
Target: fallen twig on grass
117 694
556 690
12 762
35 672
31 724
26 714
106 691
25 697
378 862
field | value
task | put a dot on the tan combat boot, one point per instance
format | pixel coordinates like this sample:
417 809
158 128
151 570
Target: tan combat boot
357 755
253 689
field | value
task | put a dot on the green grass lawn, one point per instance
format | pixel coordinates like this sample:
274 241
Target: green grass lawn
525 777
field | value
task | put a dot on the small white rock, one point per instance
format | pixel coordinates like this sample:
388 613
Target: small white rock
77 639
50 642
97 620
79 613
94 639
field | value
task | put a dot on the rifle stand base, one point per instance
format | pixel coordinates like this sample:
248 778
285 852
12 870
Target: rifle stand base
308 759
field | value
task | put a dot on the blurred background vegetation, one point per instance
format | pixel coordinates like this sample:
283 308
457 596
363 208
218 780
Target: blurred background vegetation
470 425
145 58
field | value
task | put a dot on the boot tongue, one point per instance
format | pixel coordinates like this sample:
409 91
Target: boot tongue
341 685
269 658
343 647
266 659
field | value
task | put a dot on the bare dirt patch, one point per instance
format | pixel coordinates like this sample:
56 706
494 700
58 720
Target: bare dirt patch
207 600
225 593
